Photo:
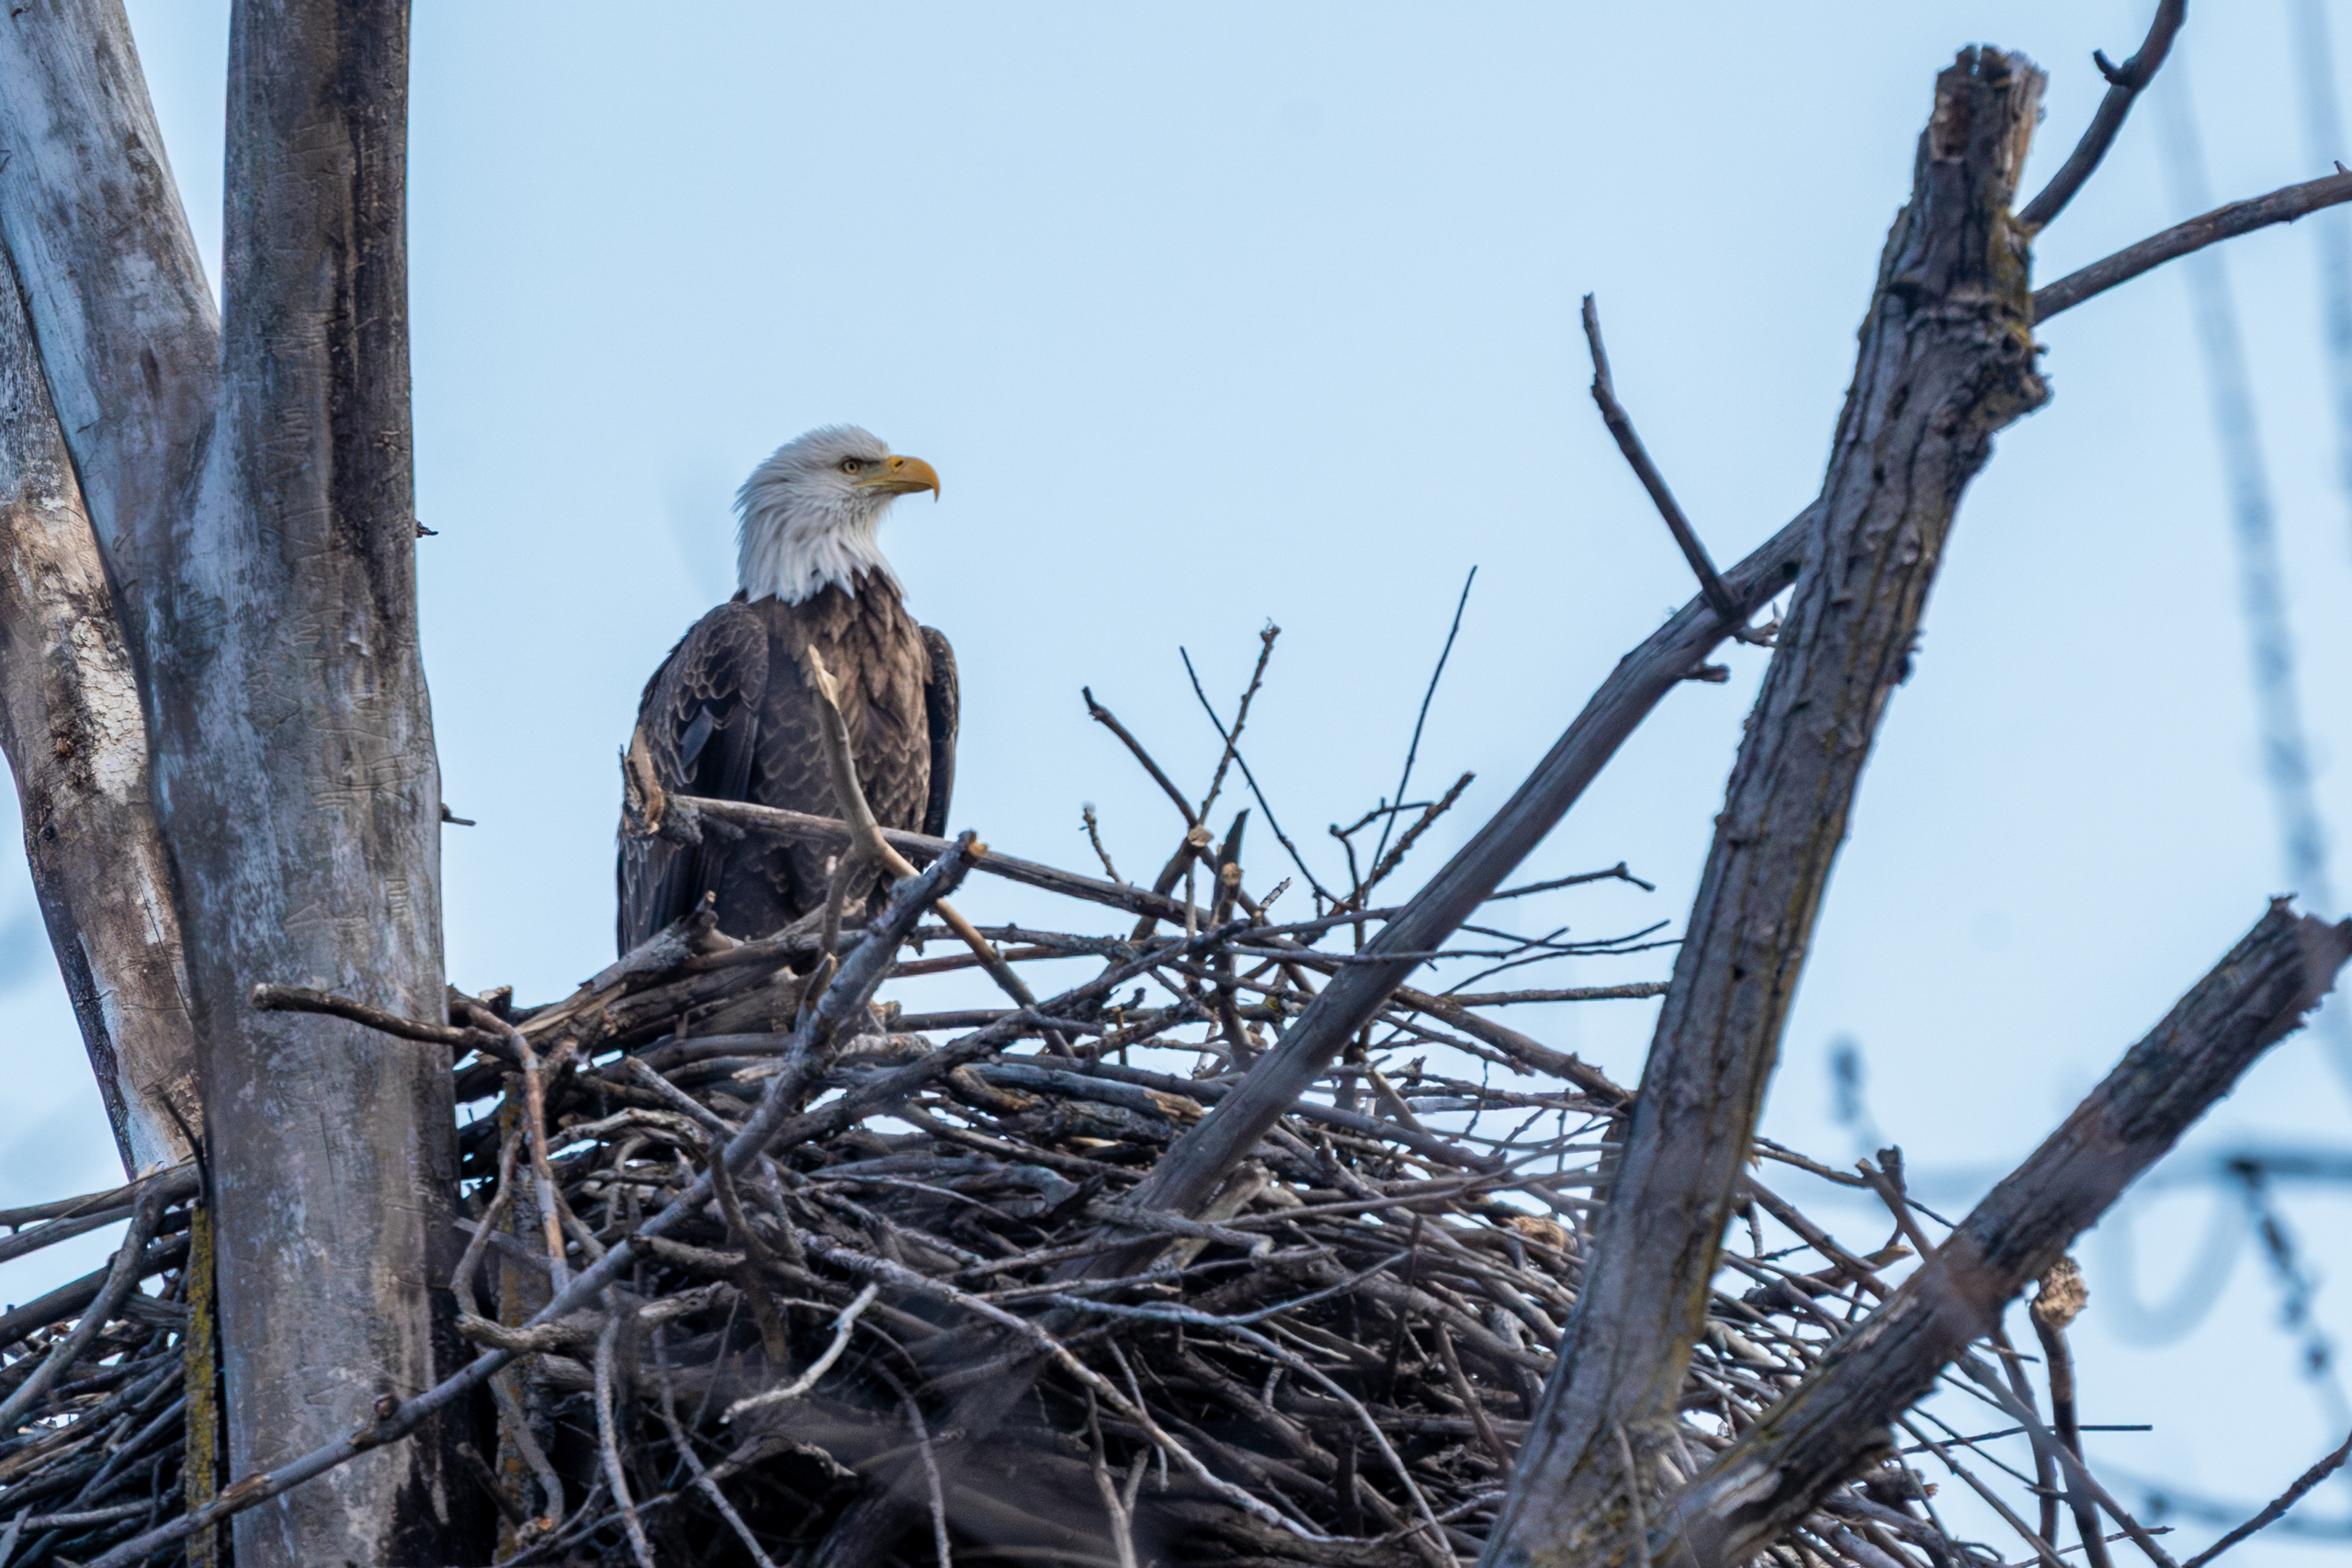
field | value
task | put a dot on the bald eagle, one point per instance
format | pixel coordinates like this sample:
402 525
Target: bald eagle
731 715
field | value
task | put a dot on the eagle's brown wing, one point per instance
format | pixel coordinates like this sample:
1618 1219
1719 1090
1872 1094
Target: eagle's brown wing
700 718
942 701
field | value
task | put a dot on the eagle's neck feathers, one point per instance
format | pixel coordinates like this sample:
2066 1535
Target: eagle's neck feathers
793 546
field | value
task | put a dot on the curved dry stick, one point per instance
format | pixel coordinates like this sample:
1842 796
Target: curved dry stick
2125 82
868 843
2058 1302
461 1282
843 1325
303 998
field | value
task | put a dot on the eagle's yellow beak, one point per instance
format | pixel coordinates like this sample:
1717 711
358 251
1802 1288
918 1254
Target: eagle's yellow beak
900 476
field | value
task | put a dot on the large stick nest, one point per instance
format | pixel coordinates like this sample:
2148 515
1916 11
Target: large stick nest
919 1294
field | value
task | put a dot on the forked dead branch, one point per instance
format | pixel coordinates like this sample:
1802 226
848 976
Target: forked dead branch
1180 1249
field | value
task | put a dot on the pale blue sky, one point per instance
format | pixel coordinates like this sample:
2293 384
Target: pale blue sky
1213 314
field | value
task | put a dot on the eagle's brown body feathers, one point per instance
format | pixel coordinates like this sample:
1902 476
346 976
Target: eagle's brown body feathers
730 716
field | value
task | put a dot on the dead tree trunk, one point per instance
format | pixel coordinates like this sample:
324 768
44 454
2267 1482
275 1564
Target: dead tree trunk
1947 359
123 339
250 490
75 734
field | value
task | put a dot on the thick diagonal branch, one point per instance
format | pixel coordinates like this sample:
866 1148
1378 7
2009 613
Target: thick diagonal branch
1825 1428
1947 359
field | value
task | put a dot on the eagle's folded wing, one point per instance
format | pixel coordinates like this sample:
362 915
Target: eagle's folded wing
942 699
699 717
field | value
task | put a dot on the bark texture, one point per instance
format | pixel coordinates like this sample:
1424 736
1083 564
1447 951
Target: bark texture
75 733
297 783
128 336
1947 359
1826 1427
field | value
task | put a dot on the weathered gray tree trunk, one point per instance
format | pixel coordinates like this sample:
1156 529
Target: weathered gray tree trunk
75 733
128 333
123 334
250 488
1947 359
297 782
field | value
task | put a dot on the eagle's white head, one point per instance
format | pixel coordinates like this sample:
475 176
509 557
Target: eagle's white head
810 512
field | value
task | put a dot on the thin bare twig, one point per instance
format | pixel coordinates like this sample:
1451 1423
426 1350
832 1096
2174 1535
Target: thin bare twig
682 1444
1110 721
932 1484
843 1325
1617 873
1094 837
1233 750
1240 715
2282 206
1621 426
1413 749
2277 1508
2125 82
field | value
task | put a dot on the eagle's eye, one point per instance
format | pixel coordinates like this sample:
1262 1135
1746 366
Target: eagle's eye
851 465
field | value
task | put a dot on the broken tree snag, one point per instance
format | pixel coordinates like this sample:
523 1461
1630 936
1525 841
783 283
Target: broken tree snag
76 739
1946 360
296 777
129 338
1822 1432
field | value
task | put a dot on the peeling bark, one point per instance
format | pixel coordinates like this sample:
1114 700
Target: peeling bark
75 733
